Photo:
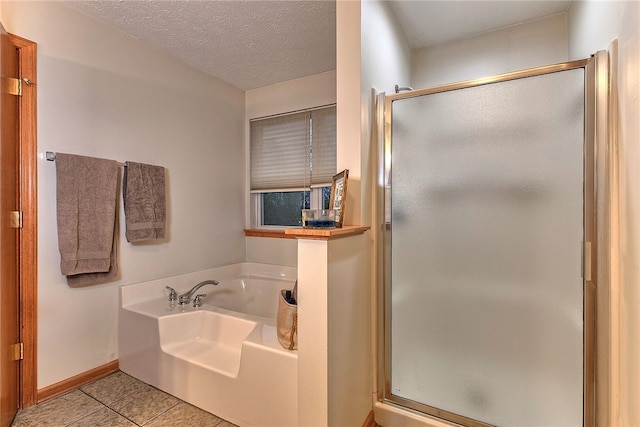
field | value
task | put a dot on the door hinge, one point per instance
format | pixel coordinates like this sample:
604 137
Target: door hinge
587 262
18 351
12 86
15 219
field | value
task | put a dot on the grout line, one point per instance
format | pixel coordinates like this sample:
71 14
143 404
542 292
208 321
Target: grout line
122 416
102 405
162 413
90 413
83 417
126 418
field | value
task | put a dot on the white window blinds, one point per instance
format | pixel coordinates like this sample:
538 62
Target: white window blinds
293 151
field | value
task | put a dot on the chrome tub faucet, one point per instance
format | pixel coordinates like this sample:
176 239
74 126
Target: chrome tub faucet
185 298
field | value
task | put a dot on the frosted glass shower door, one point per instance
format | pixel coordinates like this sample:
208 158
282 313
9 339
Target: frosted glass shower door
487 225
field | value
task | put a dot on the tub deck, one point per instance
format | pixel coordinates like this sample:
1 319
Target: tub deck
225 362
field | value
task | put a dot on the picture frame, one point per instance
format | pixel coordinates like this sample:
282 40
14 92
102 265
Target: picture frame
339 195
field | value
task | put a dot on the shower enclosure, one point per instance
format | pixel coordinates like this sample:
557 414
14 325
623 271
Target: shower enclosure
488 227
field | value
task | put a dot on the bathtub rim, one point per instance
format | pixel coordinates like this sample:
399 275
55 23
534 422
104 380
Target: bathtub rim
134 293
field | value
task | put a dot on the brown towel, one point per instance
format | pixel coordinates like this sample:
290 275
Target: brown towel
86 279
143 191
86 193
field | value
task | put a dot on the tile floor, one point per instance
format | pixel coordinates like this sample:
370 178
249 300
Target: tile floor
117 400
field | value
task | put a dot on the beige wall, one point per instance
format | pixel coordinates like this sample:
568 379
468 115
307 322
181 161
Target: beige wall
349 148
102 93
518 47
292 95
593 25
372 56
385 62
386 59
334 362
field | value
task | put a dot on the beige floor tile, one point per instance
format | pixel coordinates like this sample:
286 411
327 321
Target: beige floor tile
59 411
130 403
113 387
184 414
145 405
104 417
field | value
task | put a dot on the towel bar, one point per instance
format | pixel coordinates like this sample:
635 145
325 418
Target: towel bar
51 156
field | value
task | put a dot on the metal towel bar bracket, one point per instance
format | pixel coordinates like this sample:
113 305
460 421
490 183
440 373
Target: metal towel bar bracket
51 156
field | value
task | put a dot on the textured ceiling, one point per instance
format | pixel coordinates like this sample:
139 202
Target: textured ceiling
255 43
249 44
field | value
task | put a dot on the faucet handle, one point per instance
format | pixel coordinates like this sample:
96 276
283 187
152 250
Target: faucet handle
197 301
172 293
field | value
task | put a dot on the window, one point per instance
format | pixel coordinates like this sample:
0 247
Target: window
293 158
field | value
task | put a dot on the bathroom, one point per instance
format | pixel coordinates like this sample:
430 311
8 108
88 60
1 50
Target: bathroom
88 83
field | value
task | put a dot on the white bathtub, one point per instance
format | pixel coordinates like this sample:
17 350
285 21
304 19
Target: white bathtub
223 357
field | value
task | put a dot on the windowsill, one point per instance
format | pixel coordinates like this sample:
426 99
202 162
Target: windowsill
306 233
276 233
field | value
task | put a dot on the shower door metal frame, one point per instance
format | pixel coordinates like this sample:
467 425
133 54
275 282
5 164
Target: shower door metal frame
593 76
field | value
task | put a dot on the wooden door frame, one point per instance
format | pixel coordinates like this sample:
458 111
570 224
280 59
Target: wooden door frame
28 187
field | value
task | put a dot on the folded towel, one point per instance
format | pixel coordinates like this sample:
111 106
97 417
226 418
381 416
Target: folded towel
86 195
86 279
143 191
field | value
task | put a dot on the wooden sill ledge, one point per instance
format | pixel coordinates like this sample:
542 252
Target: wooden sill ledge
306 233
